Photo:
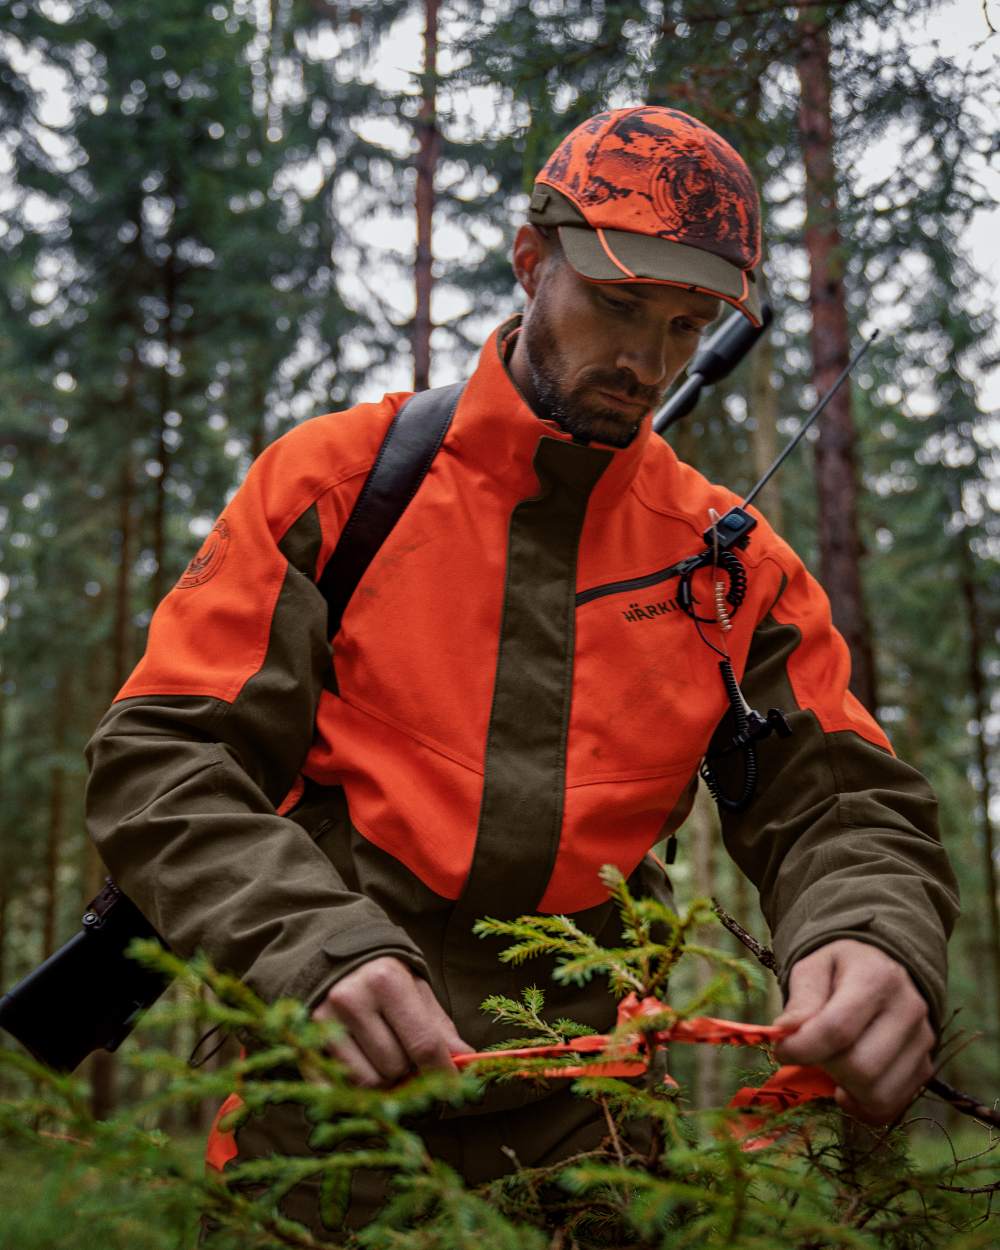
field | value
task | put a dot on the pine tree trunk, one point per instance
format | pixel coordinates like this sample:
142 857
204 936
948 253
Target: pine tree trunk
158 588
95 871
102 1066
980 712
4 865
427 158
836 477
57 809
3 932
258 432
764 409
121 654
687 435
684 442
4 985
136 1085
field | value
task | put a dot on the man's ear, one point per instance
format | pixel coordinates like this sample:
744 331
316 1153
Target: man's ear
529 251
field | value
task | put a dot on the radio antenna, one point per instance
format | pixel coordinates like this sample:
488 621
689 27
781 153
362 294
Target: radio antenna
804 428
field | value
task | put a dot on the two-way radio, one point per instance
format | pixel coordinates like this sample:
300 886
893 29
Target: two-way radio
727 534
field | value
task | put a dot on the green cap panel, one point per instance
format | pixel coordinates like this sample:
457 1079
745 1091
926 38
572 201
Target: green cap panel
660 260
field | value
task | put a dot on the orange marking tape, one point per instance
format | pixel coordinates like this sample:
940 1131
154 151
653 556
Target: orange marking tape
221 1146
788 1087
629 1052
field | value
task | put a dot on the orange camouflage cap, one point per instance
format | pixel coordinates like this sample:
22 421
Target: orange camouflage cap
650 194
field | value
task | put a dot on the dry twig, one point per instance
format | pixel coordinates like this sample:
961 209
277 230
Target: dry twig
763 954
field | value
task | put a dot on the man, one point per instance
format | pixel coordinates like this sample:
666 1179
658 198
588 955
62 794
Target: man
515 697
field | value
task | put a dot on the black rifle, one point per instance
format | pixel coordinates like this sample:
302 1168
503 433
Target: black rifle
89 993
721 352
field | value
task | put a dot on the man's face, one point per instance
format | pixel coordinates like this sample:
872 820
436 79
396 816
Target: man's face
595 357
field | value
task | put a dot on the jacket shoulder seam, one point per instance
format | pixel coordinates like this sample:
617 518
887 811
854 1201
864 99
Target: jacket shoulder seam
300 509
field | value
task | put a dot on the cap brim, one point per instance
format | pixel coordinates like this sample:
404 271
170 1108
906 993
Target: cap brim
621 256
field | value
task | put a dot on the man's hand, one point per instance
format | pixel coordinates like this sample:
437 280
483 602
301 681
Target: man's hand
863 1021
394 1023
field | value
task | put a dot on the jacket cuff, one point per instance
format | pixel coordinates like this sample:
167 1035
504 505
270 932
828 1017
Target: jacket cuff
342 953
864 926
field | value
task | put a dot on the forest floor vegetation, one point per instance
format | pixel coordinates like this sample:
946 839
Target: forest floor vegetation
821 1182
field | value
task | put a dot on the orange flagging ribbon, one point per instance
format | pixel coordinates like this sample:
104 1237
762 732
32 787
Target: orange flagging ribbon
788 1087
221 1145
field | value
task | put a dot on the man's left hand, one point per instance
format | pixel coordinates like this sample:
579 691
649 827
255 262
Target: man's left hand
864 1022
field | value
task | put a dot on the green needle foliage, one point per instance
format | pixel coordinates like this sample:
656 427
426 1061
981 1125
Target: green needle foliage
656 939
527 1015
664 1175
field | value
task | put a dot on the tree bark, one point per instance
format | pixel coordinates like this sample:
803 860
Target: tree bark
764 409
57 810
258 431
428 155
121 652
836 475
3 933
158 588
980 711
102 1068
5 867
689 436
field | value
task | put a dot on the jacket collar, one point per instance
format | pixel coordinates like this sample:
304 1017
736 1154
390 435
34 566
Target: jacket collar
495 429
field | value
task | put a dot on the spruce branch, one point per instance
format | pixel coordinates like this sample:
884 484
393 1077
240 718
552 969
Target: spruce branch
966 1103
656 938
993 1188
612 1129
693 1187
527 1015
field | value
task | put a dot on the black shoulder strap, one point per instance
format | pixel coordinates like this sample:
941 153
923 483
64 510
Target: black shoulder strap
410 445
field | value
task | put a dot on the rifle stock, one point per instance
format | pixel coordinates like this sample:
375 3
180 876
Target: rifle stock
89 993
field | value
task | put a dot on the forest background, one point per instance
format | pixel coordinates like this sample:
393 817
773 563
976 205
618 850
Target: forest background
220 219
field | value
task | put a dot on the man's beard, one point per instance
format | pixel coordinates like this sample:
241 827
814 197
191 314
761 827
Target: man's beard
582 417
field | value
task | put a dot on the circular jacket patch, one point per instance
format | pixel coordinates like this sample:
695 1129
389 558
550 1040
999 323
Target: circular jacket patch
209 559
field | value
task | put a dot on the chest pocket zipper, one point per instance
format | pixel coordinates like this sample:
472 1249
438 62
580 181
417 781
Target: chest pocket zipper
633 583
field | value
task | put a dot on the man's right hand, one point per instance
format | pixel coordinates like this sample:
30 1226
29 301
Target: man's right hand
394 1024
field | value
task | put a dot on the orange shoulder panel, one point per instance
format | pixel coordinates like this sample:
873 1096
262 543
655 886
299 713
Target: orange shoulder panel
210 634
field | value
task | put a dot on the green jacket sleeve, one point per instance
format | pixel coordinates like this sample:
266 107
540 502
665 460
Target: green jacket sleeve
190 764
841 839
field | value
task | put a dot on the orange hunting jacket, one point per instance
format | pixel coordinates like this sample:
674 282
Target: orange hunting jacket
513 699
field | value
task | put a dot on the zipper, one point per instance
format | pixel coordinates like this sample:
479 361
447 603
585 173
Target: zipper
634 583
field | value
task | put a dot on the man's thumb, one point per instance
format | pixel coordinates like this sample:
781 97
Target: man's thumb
809 988
792 1017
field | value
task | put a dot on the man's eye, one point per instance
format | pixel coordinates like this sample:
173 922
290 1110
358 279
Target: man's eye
619 305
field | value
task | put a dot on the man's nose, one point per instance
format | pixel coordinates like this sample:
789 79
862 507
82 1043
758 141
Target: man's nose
646 360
